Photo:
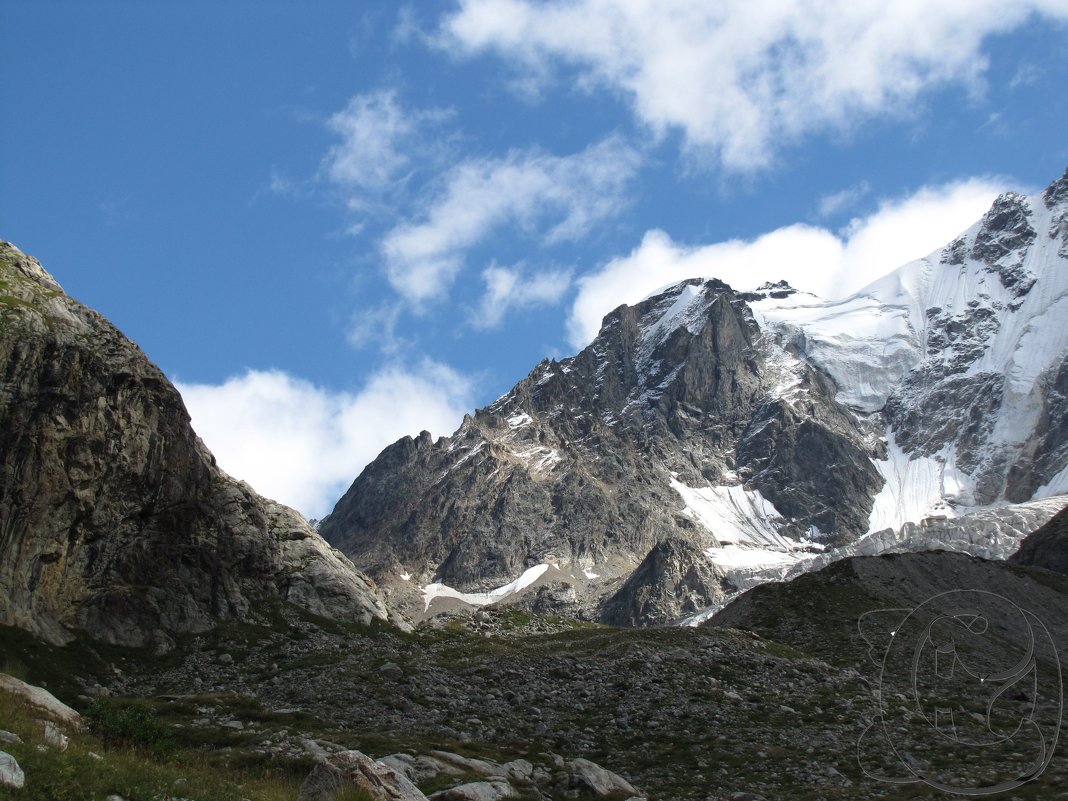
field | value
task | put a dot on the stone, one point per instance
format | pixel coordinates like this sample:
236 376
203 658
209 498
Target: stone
53 736
482 767
11 774
1046 546
41 698
476 791
596 780
518 771
9 737
353 769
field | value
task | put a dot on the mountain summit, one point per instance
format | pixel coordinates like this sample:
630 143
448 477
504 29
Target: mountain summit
761 431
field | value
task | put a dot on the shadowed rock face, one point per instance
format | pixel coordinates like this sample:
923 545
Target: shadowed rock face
114 519
1046 546
674 580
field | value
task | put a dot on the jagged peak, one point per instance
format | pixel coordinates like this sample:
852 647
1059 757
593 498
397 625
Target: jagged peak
1057 192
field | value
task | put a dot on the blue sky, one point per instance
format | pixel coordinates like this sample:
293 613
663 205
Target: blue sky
334 223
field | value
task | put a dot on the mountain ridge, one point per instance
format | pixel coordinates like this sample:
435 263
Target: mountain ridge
764 427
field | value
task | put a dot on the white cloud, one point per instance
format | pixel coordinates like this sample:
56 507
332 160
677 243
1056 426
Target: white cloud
302 444
507 289
551 198
742 77
377 137
832 204
810 258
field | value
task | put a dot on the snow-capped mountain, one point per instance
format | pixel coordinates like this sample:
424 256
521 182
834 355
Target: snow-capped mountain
762 431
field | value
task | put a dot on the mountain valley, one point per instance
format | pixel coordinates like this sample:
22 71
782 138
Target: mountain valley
856 508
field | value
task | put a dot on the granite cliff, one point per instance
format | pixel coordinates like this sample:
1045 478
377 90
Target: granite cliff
115 521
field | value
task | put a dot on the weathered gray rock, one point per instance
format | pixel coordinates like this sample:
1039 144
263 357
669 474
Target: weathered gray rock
676 579
598 781
53 736
420 768
476 791
41 698
11 774
352 769
115 520
483 767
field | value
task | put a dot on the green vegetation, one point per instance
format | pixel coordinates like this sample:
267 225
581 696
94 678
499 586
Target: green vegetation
87 771
133 724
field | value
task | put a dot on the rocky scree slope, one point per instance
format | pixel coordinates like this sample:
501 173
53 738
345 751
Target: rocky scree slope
760 432
115 521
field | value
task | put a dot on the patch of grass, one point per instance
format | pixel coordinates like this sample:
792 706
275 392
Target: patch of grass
86 770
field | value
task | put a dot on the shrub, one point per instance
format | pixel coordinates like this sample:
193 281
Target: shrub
129 723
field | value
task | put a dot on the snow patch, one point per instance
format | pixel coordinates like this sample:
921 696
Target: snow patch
733 515
519 420
438 590
539 459
1058 485
736 556
916 487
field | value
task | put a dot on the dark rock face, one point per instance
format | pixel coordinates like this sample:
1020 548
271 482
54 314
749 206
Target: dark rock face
576 463
114 519
1047 546
1003 240
674 580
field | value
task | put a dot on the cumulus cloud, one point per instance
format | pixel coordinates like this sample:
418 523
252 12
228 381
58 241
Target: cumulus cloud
550 198
302 444
508 288
811 258
741 77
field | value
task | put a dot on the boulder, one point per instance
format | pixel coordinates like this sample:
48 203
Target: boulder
598 781
42 699
353 769
493 790
11 774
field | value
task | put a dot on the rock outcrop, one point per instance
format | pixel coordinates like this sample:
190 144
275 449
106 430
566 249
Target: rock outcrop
676 579
352 770
115 521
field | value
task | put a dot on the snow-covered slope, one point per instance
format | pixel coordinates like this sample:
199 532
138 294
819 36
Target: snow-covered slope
963 354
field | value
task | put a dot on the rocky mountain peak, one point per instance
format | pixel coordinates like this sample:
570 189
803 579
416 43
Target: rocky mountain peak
1002 242
762 429
114 519
1056 193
